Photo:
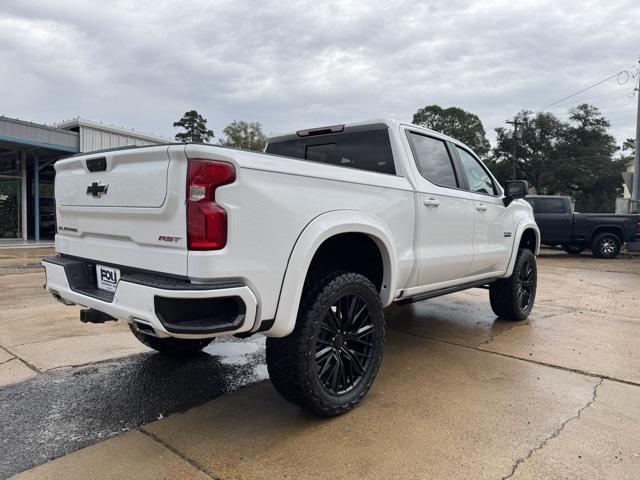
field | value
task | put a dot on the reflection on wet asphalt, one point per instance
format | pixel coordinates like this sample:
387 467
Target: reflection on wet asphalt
59 412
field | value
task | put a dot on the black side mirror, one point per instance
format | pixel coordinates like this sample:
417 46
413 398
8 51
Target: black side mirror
515 189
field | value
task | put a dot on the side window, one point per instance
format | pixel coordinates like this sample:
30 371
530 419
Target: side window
550 205
433 160
479 180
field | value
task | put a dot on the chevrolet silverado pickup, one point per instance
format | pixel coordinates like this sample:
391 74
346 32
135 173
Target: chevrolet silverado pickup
305 243
603 233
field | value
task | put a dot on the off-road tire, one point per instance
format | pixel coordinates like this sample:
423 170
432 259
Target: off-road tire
573 249
506 295
606 245
292 361
174 347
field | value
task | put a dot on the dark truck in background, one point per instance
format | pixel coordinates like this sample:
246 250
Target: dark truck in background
603 233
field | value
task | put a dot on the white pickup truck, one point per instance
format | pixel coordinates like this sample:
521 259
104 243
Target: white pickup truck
305 243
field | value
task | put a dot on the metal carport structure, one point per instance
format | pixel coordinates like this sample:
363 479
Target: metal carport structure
27 152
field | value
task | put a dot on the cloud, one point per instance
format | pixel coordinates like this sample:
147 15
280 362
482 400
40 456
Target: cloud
299 64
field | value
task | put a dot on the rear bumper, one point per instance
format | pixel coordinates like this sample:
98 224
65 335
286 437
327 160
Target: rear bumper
172 308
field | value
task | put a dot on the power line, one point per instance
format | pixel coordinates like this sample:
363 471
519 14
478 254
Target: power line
618 111
584 89
574 94
570 104
496 124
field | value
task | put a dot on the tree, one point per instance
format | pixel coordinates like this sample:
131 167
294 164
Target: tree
457 123
574 158
195 126
245 135
629 149
536 150
586 168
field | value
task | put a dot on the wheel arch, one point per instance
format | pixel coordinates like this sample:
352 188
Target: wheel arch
613 229
527 235
310 241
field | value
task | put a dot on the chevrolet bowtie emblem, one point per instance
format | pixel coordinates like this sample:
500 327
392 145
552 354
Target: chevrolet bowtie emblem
97 190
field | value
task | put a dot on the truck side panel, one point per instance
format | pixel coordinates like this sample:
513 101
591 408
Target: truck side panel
275 198
586 225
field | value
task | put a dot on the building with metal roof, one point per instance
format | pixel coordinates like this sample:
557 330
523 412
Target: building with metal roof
27 154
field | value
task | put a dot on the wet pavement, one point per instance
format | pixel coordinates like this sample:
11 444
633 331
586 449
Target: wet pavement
460 394
67 409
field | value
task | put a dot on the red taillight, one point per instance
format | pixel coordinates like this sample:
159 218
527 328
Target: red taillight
207 221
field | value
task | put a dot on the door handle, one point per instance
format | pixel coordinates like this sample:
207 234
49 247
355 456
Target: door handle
431 202
481 207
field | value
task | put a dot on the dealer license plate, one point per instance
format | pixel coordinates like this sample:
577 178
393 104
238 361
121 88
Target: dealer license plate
108 278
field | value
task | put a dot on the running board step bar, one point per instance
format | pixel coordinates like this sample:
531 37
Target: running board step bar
445 291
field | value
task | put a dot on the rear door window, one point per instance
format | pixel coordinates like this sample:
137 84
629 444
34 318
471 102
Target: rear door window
433 160
369 150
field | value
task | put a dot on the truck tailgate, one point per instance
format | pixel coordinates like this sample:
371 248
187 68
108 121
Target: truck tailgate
124 207
135 178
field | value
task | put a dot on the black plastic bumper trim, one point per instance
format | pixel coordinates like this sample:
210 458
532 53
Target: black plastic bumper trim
200 315
81 277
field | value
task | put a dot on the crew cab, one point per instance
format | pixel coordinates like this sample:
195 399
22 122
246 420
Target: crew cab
603 233
305 243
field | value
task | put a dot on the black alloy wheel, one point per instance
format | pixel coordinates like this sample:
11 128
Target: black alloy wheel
513 298
606 245
526 283
345 344
330 360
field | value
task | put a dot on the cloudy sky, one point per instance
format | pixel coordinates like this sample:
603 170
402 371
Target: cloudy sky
298 64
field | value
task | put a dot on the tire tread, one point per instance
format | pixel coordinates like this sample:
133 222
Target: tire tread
289 359
502 292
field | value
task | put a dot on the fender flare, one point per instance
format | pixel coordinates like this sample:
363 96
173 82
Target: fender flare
314 234
610 228
524 224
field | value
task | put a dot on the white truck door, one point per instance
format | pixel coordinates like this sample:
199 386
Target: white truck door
446 211
494 232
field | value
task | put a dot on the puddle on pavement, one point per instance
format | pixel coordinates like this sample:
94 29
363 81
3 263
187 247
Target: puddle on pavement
58 412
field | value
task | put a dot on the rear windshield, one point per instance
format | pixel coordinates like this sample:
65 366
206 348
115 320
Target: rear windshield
370 150
547 205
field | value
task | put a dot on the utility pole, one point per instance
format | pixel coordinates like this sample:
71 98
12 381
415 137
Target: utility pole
514 159
635 194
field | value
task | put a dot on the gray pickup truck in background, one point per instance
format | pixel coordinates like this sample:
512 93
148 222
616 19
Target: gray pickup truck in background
603 233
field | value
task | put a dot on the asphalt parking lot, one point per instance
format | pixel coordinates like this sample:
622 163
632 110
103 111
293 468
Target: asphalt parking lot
459 395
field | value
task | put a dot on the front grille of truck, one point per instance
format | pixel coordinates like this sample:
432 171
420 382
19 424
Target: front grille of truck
200 315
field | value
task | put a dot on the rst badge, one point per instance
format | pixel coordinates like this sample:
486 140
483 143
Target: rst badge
107 277
169 238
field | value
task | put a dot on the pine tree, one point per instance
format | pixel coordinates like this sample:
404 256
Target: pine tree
195 126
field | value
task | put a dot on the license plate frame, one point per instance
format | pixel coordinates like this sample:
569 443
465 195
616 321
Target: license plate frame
107 278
